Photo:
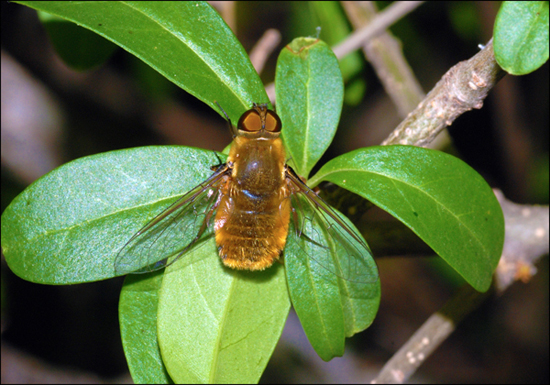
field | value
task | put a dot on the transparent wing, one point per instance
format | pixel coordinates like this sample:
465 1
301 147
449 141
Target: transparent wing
327 237
171 233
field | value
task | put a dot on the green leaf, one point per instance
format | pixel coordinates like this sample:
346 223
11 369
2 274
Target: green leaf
316 299
187 42
218 325
138 328
334 24
68 226
360 300
331 304
443 200
309 100
521 36
79 48
310 93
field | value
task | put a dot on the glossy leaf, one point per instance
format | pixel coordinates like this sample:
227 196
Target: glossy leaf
309 100
443 200
310 93
359 300
187 42
138 328
68 226
316 298
218 325
521 36
330 306
335 27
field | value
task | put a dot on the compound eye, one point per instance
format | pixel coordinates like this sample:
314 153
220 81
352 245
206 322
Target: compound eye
250 121
272 122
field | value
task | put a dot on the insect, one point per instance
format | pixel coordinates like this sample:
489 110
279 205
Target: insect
255 204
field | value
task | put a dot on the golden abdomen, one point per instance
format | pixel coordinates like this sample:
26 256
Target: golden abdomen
251 230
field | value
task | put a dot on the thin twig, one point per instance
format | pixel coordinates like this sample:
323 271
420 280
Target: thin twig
378 25
227 11
527 237
464 87
385 53
429 336
264 48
